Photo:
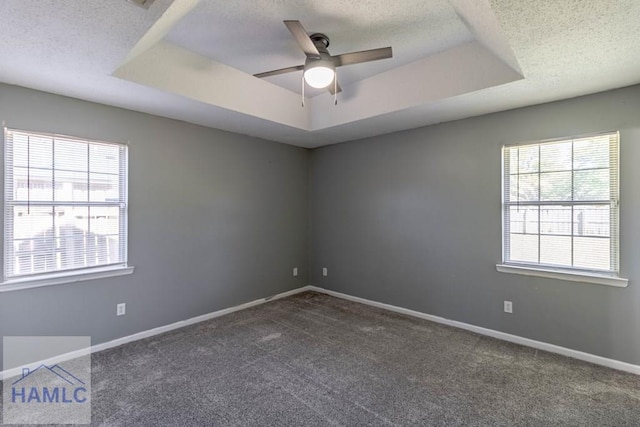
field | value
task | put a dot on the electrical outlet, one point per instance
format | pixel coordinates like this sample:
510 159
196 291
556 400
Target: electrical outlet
121 309
508 307
325 271
295 271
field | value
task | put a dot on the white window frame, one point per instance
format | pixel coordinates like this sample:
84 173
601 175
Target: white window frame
610 277
19 282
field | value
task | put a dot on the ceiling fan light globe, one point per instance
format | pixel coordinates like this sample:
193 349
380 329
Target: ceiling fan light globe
319 77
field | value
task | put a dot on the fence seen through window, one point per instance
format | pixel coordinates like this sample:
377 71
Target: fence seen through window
561 203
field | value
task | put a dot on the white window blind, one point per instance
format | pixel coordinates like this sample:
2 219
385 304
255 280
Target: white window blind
561 204
65 204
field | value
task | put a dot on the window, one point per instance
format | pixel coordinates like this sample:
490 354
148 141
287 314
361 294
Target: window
65 206
560 205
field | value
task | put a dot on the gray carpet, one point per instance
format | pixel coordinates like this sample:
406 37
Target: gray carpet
315 360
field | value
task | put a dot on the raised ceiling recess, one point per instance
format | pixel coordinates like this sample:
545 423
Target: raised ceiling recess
187 63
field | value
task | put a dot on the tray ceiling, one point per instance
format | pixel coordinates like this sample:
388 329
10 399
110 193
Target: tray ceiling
193 60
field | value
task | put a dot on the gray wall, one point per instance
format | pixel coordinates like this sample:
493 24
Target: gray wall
413 219
215 220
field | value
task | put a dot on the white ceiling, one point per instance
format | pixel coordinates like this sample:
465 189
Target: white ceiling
193 60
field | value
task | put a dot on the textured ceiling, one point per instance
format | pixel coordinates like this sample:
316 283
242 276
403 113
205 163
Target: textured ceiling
193 60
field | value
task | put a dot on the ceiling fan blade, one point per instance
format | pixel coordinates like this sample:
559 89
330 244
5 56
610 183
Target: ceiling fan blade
362 56
279 71
330 87
302 37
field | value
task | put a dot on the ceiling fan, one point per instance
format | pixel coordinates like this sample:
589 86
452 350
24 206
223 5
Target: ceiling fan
319 69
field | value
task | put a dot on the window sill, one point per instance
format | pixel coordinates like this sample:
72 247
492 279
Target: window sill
598 279
65 277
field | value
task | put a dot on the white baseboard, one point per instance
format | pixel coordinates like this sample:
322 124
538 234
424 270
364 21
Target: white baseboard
148 333
587 357
598 360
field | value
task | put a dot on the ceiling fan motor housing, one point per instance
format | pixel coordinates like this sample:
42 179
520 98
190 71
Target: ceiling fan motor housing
324 61
320 40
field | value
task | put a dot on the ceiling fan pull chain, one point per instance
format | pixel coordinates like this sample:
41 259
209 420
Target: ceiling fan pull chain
303 90
335 87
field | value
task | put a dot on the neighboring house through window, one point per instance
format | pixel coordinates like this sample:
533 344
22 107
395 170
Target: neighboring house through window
65 205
